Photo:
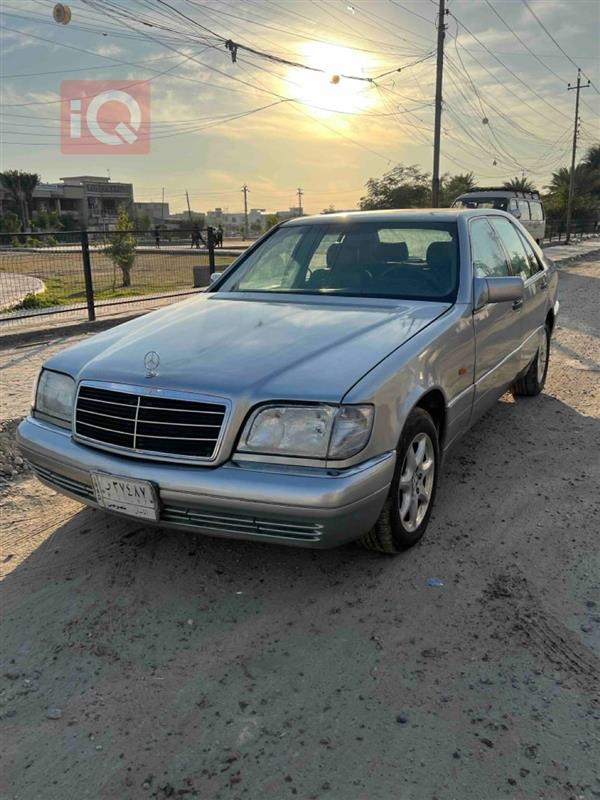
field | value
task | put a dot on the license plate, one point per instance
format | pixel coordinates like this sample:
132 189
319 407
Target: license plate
127 496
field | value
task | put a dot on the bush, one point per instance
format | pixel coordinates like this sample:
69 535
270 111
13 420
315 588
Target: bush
31 300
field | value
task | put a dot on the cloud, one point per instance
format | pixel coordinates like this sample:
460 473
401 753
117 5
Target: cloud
109 50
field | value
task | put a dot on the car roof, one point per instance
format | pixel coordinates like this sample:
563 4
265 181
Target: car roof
394 215
499 193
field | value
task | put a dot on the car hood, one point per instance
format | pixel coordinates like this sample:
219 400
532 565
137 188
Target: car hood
232 345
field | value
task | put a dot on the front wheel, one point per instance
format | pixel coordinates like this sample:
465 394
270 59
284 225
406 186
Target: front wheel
534 379
405 515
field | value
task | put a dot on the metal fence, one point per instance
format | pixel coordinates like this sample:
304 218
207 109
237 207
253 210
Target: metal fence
557 230
80 274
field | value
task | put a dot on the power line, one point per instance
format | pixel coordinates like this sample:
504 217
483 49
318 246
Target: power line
508 69
562 50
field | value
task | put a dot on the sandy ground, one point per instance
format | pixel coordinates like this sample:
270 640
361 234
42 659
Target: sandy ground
142 663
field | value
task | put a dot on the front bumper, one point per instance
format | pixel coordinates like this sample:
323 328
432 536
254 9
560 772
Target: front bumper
300 506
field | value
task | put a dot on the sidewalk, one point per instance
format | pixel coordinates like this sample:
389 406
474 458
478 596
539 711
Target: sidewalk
561 253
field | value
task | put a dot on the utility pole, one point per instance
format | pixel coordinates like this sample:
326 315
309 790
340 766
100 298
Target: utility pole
300 195
187 197
162 210
439 78
245 190
577 88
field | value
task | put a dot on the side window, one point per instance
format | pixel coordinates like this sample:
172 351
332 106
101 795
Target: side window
489 259
537 211
524 209
534 263
508 235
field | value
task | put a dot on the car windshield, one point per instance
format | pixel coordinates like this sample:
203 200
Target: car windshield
410 260
500 203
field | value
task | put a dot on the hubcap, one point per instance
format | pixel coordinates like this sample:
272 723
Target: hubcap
542 357
416 482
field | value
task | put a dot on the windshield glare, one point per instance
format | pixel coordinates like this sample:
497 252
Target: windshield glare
398 260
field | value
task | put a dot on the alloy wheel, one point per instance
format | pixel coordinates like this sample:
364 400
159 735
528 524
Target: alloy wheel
416 482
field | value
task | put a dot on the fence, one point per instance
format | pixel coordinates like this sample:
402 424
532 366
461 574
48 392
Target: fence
86 274
557 230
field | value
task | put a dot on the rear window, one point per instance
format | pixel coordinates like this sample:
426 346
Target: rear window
416 260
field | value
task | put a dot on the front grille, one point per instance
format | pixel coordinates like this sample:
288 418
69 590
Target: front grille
149 423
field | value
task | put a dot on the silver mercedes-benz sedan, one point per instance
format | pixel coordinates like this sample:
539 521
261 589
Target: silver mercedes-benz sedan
309 396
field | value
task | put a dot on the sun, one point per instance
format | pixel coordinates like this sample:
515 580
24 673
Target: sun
329 92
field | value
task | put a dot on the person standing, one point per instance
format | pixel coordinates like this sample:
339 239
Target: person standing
157 235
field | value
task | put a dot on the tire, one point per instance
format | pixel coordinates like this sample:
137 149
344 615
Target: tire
534 379
399 526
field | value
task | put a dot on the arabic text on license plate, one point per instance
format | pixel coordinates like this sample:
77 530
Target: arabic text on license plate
136 498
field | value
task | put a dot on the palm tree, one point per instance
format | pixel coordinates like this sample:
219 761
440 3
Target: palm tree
519 185
592 157
559 183
454 186
20 187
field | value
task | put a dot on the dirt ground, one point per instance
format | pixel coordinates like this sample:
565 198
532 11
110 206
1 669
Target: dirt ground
144 663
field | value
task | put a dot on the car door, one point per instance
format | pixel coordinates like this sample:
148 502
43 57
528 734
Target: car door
525 263
497 326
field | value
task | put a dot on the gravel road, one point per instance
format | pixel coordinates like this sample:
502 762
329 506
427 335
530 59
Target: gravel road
142 663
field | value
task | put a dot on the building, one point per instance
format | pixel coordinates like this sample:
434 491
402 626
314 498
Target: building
232 222
99 199
158 212
92 200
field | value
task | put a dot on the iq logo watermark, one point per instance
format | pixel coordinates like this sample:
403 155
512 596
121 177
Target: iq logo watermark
105 117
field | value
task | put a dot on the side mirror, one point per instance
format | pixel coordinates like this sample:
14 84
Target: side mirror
214 276
516 213
496 290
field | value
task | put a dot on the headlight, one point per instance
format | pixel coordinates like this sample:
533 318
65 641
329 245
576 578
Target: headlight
308 431
54 396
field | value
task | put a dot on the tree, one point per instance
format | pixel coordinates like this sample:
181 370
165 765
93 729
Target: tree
519 185
586 195
69 222
121 247
401 187
256 226
455 185
592 157
271 221
143 222
10 223
46 220
20 186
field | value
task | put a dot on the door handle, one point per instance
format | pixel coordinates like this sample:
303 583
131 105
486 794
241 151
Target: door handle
517 304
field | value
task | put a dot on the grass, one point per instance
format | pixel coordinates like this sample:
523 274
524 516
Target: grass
62 273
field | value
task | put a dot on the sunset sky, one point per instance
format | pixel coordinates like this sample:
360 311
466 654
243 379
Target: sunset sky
326 129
